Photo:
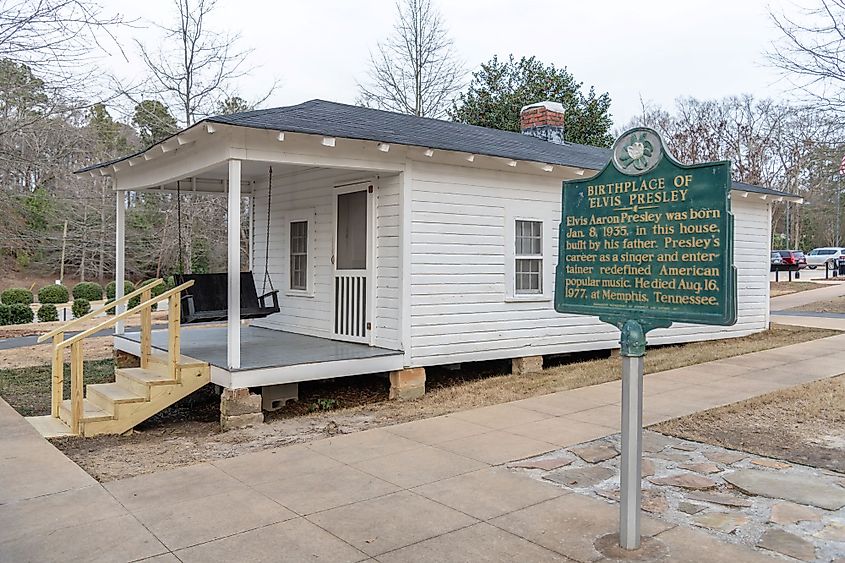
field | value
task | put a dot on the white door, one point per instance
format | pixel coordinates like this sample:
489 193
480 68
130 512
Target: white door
352 262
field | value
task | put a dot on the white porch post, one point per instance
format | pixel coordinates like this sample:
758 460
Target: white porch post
119 255
234 231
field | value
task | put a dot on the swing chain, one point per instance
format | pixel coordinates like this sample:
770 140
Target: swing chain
181 268
267 238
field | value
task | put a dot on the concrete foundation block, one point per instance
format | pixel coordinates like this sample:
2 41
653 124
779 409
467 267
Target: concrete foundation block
126 360
241 420
236 402
407 384
274 397
526 365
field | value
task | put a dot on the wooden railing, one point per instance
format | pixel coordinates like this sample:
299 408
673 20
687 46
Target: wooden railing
77 383
58 336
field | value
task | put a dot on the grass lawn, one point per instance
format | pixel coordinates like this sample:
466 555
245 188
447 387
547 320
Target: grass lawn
804 424
27 390
777 289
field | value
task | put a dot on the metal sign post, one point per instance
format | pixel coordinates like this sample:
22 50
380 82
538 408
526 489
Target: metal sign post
632 438
644 243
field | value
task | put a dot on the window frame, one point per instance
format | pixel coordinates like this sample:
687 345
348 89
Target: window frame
309 218
532 257
544 257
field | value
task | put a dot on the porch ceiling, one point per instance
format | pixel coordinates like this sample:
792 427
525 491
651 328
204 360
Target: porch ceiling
213 180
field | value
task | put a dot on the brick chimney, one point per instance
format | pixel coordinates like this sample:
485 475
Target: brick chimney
543 120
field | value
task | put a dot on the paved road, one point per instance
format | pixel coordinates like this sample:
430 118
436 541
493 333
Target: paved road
21 341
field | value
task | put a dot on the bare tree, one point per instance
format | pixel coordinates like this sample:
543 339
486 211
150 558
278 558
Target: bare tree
415 70
49 33
812 51
768 143
193 68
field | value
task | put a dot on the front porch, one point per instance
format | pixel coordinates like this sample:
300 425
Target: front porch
269 356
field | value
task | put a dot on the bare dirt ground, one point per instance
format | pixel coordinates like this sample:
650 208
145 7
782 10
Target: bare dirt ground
776 289
41 354
9 277
36 329
189 432
803 424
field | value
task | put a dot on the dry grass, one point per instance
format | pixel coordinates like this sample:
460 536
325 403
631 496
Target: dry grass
836 305
803 424
504 388
776 289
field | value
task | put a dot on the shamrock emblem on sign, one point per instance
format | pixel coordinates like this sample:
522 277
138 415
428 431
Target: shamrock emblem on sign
636 152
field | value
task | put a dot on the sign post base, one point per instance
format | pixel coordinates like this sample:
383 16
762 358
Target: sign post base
631 464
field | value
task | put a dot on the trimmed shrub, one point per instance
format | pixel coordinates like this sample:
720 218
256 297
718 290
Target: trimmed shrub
91 291
15 295
53 294
80 307
47 312
5 315
157 290
109 311
128 287
20 314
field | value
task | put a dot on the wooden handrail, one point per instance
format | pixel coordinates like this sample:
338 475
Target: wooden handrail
111 305
111 321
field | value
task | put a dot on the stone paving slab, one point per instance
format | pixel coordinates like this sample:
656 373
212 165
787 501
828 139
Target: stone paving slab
787 487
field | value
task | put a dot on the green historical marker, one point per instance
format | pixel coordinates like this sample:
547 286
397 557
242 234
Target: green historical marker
644 243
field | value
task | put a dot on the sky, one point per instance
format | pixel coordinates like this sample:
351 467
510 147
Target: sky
653 51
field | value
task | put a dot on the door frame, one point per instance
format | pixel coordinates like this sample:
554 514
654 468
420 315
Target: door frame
369 186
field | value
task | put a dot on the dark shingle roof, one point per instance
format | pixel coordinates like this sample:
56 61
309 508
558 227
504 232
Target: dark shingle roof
319 117
332 119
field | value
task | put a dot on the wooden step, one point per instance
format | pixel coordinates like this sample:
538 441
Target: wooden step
50 427
161 359
139 380
107 395
90 412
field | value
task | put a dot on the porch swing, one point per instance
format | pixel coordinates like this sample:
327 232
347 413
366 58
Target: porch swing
208 299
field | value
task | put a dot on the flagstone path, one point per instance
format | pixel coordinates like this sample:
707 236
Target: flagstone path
430 490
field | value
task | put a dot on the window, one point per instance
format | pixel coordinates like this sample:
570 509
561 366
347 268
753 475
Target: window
528 254
299 255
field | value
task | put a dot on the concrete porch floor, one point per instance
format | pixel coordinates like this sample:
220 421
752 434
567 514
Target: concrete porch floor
430 490
262 347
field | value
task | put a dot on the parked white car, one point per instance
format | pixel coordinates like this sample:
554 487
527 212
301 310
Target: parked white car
818 256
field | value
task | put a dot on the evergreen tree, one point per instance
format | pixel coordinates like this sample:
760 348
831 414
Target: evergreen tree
500 89
153 121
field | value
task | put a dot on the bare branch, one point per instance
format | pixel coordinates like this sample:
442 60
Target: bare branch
415 70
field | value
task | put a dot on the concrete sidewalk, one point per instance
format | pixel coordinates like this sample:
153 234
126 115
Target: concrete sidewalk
430 490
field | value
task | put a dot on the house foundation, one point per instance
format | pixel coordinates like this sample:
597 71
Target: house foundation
274 397
125 359
526 365
239 408
407 384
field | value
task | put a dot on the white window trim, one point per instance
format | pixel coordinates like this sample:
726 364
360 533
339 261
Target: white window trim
511 296
309 215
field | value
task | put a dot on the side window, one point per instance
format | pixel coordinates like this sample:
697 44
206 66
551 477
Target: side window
299 255
528 257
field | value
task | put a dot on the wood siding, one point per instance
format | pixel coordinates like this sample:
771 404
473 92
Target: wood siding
462 306
310 194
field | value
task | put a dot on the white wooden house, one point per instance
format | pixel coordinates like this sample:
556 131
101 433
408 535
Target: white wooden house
398 242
